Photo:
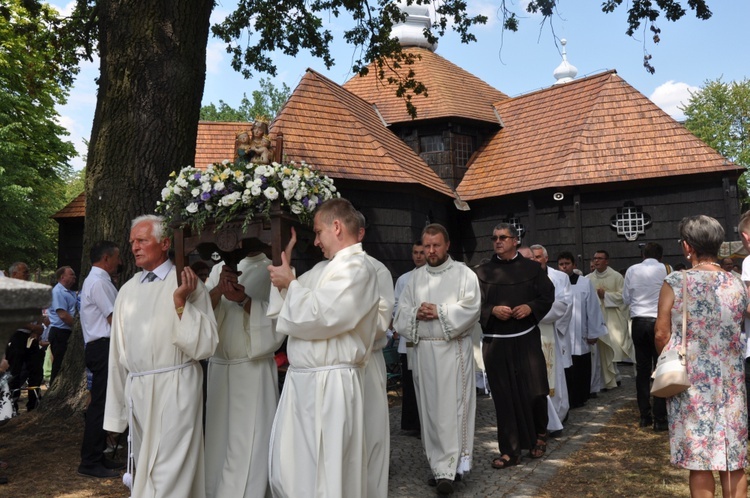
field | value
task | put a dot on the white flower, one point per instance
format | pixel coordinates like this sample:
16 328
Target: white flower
230 199
209 207
195 192
219 186
225 162
192 207
271 193
296 208
255 190
177 190
182 182
165 193
206 187
258 182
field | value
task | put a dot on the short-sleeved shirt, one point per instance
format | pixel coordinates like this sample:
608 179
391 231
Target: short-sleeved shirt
62 299
97 303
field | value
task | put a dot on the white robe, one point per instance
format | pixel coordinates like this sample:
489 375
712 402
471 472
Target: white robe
617 345
377 427
556 348
330 315
167 407
243 388
443 361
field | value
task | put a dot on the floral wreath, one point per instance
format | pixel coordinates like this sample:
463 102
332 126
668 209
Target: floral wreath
226 190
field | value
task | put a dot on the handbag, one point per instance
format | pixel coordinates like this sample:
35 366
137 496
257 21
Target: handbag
670 376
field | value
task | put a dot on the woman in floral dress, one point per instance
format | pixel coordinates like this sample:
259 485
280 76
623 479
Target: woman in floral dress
708 422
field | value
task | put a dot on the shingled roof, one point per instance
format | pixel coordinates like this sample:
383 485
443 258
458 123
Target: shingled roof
74 209
452 91
590 131
343 136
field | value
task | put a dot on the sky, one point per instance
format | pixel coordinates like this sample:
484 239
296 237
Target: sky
690 53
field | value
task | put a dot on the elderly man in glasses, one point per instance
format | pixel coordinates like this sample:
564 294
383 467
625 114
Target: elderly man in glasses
516 295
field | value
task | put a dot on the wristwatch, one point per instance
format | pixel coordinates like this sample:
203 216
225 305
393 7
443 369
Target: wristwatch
244 301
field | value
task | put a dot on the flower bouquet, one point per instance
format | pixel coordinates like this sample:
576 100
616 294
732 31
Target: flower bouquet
233 209
226 191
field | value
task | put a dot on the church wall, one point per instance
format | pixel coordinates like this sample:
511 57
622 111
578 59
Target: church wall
554 224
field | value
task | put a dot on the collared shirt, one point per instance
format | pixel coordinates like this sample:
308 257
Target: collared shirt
641 288
62 299
97 303
160 271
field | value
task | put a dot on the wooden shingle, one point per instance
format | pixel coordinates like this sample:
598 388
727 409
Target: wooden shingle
452 92
343 136
590 131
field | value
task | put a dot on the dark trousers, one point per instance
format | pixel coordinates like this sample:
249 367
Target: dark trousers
32 358
747 389
409 409
94 435
58 343
578 378
645 362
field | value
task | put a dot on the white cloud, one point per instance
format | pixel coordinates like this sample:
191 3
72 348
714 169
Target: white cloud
215 52
672 95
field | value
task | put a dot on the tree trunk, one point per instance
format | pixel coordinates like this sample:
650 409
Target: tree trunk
152 73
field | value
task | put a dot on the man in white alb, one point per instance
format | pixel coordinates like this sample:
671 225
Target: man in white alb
159 332
243 383
330 315
438 311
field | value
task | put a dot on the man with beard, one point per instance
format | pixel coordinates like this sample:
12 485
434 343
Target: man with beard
516 295
437 311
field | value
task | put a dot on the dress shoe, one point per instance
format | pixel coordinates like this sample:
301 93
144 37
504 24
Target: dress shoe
3 480
112 465
98 471
444 487
431 482
661 426
646 422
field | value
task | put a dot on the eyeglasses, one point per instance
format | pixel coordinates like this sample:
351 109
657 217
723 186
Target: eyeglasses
597 258
501 238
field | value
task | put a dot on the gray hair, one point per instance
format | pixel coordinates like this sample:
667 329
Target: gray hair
507 226
16 267
158 225
703 233
539 247
744 225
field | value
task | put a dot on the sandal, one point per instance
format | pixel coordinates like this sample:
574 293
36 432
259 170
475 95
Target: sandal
540 448
505 461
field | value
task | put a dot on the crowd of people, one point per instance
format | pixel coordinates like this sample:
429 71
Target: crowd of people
545 340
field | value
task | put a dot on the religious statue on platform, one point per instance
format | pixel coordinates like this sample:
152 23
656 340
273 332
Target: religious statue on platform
255 148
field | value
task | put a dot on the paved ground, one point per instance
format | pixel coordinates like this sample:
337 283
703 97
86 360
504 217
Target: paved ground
409 469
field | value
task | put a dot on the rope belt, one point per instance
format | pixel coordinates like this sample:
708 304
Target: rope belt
127 478
324 368
222 361
497 336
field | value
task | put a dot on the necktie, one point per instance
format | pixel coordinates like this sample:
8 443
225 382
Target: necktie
150 276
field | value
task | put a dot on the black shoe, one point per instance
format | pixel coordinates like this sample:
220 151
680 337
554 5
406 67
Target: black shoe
431 482
661 426
112 465
555 434
444 487
3 480
646 422
98 471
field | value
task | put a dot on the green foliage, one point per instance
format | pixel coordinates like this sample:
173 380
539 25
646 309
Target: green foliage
267 102
719 114
34 76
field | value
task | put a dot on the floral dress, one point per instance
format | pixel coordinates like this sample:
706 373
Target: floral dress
708 422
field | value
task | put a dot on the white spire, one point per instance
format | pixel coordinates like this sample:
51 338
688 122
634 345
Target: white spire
410 33
566 71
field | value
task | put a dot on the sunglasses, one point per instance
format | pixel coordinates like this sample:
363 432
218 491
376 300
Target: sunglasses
501 238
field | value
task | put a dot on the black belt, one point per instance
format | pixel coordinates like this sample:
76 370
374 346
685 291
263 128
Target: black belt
644 318
100 339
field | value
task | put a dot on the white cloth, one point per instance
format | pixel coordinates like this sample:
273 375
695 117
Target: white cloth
556 347
398 289
443 367
330 315
98 295
641 287
586 320
615 313
167 408
243 388
746 280
377 426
